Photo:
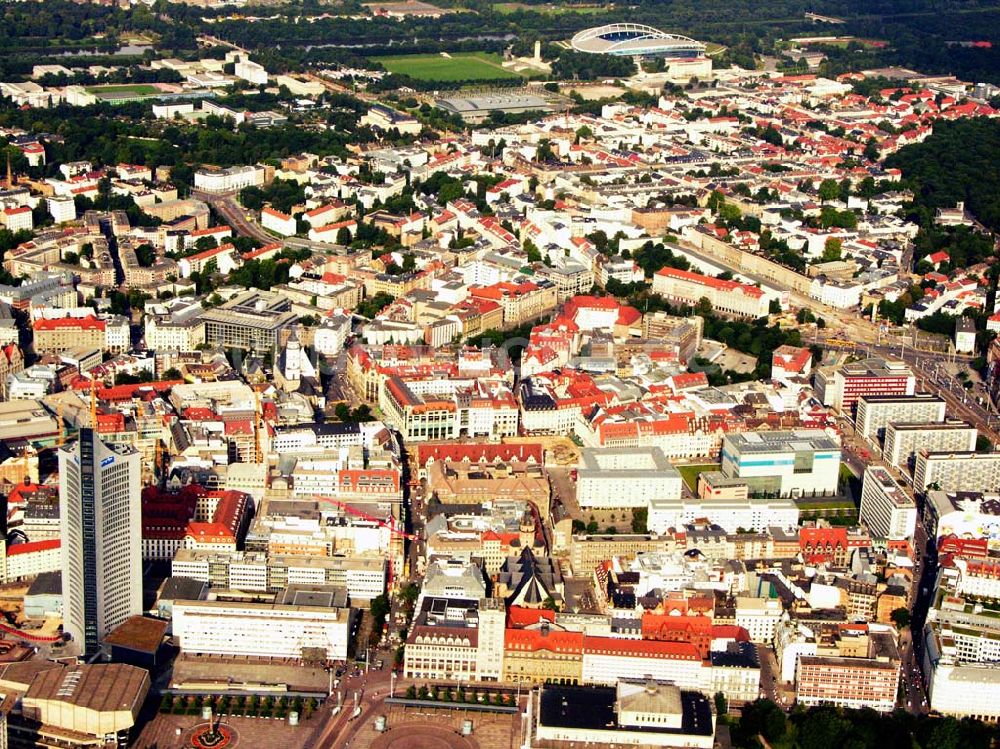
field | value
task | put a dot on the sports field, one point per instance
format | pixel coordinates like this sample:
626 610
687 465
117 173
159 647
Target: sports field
137 89
461 66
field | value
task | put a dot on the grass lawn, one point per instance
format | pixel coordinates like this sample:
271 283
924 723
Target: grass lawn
690 473
549 9
461 66
806 505
139 89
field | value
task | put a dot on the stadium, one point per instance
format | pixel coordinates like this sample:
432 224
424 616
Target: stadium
636 40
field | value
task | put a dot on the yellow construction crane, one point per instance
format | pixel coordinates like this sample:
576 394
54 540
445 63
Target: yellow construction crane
257 427
61 439
93 402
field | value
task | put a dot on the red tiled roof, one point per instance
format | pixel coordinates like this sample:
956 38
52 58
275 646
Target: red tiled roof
536 639
77 323
33 546
716 283
641 648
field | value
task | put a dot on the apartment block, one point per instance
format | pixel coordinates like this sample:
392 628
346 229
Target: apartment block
228 180
876 412
902 441
727 297
958 471
885 508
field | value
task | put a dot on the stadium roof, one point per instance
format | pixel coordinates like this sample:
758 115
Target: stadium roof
635 39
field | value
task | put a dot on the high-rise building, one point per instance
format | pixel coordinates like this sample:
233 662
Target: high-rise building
903 440
841 387
885 508
99 499
957 472
876 412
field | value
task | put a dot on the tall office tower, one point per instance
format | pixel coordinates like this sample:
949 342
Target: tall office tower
99 518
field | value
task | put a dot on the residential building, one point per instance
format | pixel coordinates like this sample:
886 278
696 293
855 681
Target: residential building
902 441
278 222
228 180
965 335
876 412
521 302
727 297
887 510
957 472
759 617
18 218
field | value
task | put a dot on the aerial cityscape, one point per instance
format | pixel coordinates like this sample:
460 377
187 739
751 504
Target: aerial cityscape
465 374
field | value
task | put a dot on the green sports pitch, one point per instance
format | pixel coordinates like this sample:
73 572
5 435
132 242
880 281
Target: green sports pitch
135 89
461 66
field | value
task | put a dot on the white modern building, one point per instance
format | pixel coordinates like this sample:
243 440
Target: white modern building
965 690
876 412
250 71
785 464
264 630
230 179
731 514
617 477
902 441
887 510
101 531
61 209
278 222
759 617
957 472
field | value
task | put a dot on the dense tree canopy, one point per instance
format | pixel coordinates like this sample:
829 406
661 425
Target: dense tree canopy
956 163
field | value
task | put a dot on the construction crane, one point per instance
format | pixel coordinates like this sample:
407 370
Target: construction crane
61 439
258 425
93 402
389 524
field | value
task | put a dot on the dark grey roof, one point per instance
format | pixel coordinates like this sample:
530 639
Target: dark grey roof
46 584
183 589
594 708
